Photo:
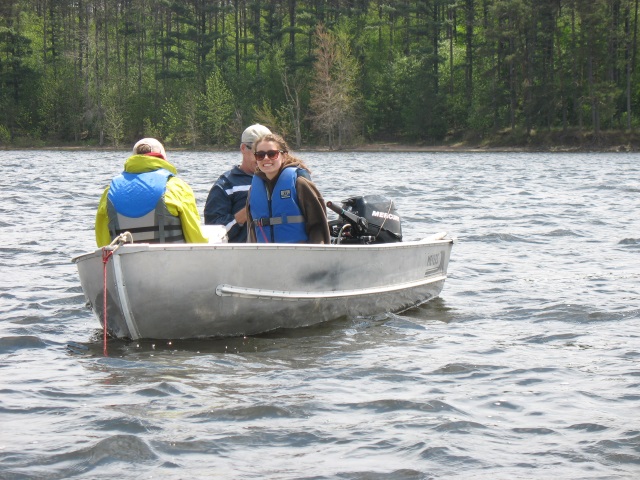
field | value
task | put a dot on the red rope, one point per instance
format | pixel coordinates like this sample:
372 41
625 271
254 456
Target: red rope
262 232
106 255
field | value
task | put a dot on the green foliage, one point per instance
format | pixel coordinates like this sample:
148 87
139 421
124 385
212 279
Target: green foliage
5 135
199 72
171 124
181 125
278 120
218 109
113 115
150 129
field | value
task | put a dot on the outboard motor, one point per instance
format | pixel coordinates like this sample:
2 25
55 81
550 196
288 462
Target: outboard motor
366 219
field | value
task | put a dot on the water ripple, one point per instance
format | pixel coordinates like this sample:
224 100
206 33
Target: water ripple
15 343
525 367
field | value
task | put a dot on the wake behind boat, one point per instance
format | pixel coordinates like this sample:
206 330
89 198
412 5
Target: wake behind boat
177 291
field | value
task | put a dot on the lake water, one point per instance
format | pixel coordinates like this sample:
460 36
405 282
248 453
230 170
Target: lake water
526 367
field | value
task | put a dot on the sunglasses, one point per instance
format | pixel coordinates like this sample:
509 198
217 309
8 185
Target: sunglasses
272 154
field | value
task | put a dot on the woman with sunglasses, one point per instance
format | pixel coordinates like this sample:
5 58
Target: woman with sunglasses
284 206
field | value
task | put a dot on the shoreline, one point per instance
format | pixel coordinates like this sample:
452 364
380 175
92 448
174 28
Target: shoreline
549 141
616 145
366 149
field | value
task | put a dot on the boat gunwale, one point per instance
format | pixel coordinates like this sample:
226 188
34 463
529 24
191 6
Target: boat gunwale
132 248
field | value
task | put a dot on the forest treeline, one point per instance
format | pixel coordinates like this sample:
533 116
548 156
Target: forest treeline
321 72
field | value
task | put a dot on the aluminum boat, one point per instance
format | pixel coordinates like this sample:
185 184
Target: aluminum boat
178 291
174 291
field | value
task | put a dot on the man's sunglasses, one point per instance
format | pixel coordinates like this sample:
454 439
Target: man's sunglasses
272 154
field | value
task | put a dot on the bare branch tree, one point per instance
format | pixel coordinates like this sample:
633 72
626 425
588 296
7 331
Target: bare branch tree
294 85
334 92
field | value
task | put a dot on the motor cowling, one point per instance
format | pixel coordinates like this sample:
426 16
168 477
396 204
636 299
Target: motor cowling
371 219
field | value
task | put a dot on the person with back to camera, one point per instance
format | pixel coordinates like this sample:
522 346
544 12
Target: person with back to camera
148 200
284 205
227 200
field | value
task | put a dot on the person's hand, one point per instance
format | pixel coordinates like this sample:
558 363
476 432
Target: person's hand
241 216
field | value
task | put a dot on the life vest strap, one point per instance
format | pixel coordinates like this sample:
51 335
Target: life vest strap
148 229
179 237
266 221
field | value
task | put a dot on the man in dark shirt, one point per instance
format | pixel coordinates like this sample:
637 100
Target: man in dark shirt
226 203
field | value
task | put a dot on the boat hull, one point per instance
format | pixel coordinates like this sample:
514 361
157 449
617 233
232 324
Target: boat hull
177 291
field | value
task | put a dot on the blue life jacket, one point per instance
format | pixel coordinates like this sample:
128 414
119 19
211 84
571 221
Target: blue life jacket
278 217
135 203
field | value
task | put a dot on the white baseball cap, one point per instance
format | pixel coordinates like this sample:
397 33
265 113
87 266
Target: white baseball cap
254 132
154 145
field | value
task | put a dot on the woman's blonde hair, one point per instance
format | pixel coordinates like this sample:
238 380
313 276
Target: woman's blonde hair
288 159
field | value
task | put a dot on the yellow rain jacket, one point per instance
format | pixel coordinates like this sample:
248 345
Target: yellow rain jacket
178 197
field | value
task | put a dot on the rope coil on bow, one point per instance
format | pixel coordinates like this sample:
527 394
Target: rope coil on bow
107 253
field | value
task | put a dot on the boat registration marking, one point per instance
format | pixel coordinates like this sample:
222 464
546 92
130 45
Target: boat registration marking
435 259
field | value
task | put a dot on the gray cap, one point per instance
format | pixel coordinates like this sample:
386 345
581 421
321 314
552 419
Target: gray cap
252 133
